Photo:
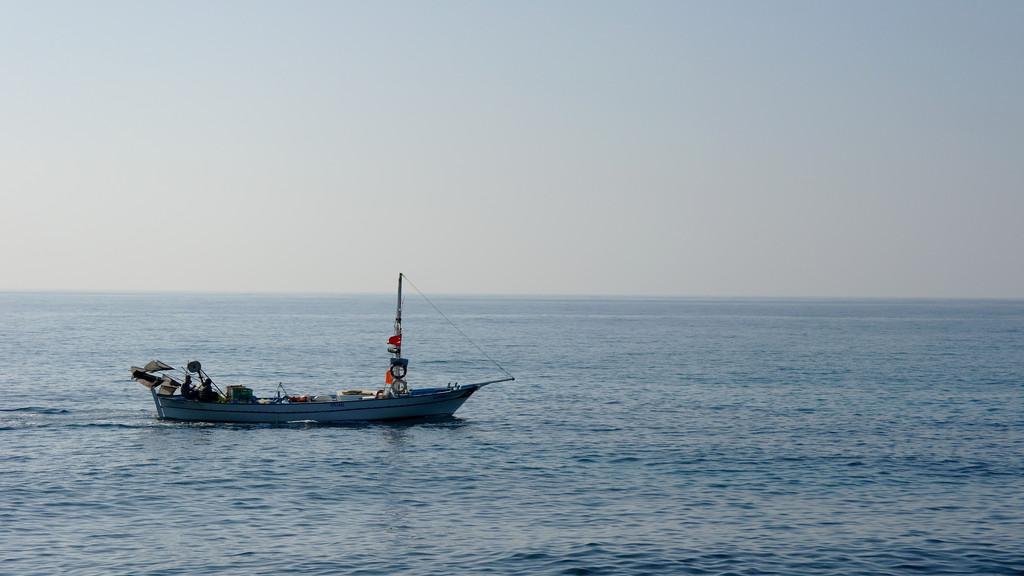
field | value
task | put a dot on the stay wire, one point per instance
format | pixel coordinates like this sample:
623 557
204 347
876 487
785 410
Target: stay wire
457 329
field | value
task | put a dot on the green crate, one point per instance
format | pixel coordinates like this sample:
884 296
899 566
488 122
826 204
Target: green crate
239 394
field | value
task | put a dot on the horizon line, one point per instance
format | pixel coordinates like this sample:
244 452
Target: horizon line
539 295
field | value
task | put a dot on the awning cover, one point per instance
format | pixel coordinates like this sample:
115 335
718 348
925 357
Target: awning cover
156 366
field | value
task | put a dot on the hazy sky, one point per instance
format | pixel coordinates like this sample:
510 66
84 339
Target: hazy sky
679 148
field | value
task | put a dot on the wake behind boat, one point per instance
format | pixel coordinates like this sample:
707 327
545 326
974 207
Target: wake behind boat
204 401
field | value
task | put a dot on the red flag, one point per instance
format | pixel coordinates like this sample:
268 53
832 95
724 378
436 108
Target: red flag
396 340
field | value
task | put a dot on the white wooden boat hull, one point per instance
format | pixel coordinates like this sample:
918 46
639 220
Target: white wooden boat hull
422 403
443 403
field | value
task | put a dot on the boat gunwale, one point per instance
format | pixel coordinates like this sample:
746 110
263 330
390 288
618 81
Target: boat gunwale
446 396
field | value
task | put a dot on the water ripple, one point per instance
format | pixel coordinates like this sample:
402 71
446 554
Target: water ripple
682 438
36 410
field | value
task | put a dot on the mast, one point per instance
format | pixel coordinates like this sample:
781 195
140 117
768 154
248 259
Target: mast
398 318
395 378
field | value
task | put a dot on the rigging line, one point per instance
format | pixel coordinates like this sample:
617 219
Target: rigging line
470 340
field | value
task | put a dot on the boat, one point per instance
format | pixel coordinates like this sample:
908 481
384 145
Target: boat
203 401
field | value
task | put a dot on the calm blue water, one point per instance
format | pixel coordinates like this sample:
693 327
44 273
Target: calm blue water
642 437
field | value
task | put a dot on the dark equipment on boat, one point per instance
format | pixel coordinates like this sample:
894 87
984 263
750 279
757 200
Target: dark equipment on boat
140 374
207 391
149 376
399 367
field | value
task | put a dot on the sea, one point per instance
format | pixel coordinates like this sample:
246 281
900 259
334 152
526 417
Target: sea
641 436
